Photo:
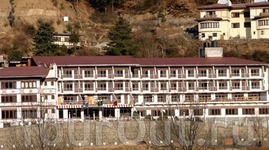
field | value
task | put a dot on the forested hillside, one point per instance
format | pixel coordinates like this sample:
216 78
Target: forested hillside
153 28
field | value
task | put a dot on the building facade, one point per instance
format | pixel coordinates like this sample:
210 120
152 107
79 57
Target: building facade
224 20
98 87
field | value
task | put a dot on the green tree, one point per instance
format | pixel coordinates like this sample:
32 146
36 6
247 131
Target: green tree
43 40
121 39
14 54
74 38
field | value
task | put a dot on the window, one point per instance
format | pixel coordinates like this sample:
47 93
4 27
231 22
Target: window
255 72
262 32
88 73
9 99
118 86
235 84
235 15
222 72
203 85
145 73
29 113
263 22
247 24
101 73
146 86
231 111
198 112
52 83
189 97
28 84
214 112
214 34
173 73
161 98
170 112
28 98
119 73
204 97
162 73
66 39
163 86
155 113
235 72
68 86
135 86
211 13
202 73
263 111
173 86
190 73
67 73
101 86
148 98
246 14
45 83
235 25
184 112
209 25
52 97
191 85
237 96
255 84
221 97
248 111
9 114
8 85
223 85
88 86
175 98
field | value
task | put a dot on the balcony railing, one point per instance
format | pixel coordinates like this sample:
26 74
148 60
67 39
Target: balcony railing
78 90
245 74
245 88
78 76
210 16
212 75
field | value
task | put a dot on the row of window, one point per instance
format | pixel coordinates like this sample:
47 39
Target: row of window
263 22
209 25
164 73
187 85
200 112
25 113
24 84
13 98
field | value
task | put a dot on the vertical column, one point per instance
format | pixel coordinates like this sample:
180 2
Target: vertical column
65 114
177 112
100 113
82 114
117 113
56 113
240 111
38 112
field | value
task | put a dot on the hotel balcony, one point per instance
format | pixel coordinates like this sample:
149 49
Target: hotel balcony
262 15
209 17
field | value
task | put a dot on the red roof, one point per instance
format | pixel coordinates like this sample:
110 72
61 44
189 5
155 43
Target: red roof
234 6
258 4
84 60
221 6
20 72
209 61
128 60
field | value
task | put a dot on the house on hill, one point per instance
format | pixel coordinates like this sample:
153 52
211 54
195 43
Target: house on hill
224 20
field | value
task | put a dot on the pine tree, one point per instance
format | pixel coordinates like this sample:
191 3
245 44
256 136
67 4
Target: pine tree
121 39
43 40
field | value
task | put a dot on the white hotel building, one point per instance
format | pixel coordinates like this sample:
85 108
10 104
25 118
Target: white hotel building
69 87
224 20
